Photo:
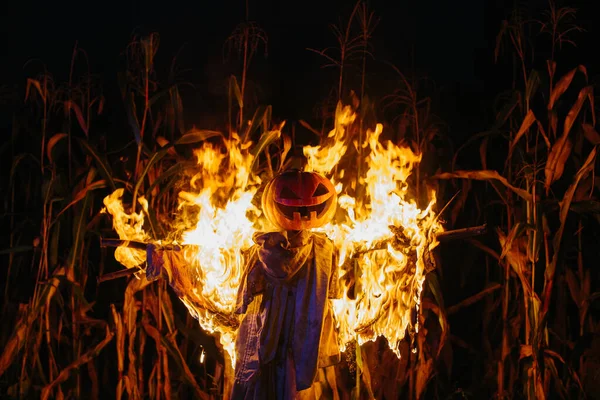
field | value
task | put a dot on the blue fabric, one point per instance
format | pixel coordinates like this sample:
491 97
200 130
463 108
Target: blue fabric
287 331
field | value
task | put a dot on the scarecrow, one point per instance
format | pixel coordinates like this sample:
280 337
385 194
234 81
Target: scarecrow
287 331
285 323
272 305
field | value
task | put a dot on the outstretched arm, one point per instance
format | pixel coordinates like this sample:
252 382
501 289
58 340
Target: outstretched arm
171 263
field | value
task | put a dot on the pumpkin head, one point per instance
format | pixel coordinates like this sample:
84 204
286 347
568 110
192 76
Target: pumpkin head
296 200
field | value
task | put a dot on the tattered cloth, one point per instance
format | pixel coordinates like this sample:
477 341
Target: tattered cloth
288 330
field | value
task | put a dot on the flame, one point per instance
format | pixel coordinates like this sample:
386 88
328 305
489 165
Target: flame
129 226
381 235
223 200
388 276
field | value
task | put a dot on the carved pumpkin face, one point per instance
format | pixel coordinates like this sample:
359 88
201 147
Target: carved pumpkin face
296 200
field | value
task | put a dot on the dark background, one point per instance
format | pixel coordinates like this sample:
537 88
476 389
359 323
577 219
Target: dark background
450 43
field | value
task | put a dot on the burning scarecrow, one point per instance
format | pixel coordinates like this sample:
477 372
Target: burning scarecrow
289 299
287 331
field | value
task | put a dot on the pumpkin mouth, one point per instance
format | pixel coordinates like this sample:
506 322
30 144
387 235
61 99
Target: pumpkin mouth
302 213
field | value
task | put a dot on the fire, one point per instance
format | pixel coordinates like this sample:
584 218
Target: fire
129 226
222 196
388 278
381 236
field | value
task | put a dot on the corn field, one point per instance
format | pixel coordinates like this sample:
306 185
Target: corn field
510 314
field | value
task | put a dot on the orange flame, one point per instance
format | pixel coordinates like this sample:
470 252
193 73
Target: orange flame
380 238
129 226
387 279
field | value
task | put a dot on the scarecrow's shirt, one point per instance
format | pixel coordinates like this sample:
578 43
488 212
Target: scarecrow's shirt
285 299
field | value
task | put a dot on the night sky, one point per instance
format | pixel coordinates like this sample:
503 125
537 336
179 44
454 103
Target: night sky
453 45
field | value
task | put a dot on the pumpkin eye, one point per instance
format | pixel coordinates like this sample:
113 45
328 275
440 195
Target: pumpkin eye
286 193
320 190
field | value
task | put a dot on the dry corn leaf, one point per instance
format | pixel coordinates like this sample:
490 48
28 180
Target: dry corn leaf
553 123
460 201
310 128
153 386
590 134
22 327
527 122
525 351
563 84
424 373
196 136
573 284
565 206
585 189
152 332
484 175
167 376
540 393
586 284
133 380
584 94
130 308
100 104
483 151
473 299
287 146
548 357
444 326
555 165
512 235
69 105
100 184
84 359
155 334
52 142
517 260
120 333
93 375
532 85
544 135
36 84
551 65
163 142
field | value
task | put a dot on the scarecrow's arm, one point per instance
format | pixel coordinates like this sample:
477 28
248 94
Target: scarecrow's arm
168 262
